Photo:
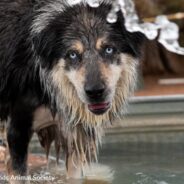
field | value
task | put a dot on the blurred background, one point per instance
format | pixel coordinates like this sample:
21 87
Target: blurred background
157 63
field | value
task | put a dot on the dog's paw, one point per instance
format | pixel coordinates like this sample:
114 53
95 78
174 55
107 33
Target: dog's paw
13 177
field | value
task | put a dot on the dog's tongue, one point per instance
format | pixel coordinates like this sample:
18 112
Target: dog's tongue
98 106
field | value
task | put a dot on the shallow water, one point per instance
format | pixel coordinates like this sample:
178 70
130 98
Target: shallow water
145 163
128 163
137 163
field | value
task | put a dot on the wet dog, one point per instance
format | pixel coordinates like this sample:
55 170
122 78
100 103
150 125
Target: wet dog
70 60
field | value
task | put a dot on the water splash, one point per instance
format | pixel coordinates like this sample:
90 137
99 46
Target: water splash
73 2
112 16
169 34
169 31
93 3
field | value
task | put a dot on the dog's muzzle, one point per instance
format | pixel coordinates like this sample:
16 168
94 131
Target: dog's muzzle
96 95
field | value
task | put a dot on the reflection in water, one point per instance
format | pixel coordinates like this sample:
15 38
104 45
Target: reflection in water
144 162
144 179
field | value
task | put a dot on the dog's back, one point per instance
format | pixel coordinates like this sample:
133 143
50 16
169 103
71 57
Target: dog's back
15 17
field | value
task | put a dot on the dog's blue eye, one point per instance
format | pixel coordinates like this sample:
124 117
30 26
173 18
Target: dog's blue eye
73 55
109 50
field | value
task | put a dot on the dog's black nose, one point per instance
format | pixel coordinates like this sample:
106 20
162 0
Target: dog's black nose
95 91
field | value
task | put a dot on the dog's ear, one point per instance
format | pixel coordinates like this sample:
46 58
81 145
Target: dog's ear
134 40
43 45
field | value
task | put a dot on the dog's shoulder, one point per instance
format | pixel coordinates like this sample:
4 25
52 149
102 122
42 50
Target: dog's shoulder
16 67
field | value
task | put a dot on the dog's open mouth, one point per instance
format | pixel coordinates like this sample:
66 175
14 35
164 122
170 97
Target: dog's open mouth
99 108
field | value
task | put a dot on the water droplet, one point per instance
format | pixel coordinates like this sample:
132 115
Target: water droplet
112 17
93 3
161 20
150 30
73 2
116 7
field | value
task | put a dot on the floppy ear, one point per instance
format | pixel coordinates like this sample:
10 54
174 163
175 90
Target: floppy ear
134 40
43 45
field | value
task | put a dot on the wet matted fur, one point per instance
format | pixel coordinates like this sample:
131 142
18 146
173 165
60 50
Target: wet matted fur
70 60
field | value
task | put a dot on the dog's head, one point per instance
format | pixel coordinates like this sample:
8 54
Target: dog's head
91 63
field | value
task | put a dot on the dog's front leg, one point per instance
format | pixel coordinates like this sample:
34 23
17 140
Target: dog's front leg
74 166
19 133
